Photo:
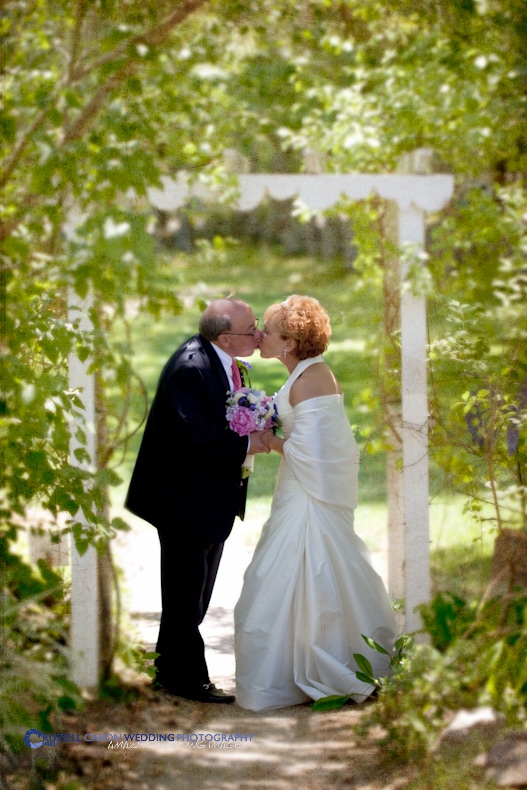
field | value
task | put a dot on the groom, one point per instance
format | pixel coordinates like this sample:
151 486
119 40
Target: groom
187 483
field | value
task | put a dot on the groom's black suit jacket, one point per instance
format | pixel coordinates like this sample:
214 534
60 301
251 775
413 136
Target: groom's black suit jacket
187 476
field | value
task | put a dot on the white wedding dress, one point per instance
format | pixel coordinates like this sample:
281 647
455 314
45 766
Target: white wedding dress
310 590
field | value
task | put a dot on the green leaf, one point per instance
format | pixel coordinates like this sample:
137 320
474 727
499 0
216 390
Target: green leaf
375 645
82 455
366 678
64 501
120 524
7 128
150 656
363 664
405 640
333 702
43 721
67 703
82 545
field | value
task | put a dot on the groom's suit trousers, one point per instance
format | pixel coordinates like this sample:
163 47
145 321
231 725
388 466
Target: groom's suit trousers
188 573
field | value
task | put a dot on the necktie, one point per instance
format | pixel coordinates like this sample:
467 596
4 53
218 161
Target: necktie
236 378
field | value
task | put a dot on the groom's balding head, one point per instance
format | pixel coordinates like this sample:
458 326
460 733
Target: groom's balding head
220 315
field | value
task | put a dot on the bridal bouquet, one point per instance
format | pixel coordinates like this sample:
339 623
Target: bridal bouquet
250 410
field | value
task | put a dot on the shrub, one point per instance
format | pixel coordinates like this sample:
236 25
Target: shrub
481 660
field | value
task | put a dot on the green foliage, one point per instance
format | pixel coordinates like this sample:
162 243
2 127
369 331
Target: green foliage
85 92
391 78
478 659
446 618
34 686
365 671
80 130
479 365
103 98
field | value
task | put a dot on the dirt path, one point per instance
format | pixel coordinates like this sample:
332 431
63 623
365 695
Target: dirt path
222 747
186 745
216 746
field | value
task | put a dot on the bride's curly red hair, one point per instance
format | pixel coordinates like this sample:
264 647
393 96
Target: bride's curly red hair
304 320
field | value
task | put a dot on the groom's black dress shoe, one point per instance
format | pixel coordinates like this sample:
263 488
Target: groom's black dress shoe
204 693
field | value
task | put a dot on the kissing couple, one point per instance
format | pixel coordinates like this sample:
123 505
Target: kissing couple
310 591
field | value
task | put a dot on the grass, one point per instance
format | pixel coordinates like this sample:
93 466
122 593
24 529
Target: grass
261 276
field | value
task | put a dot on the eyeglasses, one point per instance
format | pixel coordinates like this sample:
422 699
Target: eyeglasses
245 334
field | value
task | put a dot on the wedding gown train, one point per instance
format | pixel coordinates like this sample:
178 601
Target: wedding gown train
310 591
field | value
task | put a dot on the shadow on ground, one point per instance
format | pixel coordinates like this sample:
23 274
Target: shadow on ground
186 745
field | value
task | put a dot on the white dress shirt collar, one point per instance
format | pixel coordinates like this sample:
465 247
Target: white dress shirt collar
226 361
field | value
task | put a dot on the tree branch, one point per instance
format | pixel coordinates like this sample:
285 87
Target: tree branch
80 12
31 200
154 37
94 105
17 152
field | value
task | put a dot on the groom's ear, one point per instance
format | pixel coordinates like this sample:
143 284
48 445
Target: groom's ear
224 342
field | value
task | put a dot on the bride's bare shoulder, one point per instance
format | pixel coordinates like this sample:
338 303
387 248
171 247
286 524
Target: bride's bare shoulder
313 382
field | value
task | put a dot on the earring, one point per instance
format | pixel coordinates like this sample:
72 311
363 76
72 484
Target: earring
285 353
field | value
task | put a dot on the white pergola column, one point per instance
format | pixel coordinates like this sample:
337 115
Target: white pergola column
409 532
84 630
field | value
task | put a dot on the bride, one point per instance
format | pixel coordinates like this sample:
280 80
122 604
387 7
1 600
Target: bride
310 591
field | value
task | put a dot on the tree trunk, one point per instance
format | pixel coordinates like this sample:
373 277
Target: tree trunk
509 563
107 625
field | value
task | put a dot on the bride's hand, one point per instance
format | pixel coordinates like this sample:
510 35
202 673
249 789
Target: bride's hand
272 441
257 443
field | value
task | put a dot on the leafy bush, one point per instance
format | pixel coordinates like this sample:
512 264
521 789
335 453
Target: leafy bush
446 618
482 660
34 664
478 356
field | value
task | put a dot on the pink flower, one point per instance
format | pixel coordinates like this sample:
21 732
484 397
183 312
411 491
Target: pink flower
242 422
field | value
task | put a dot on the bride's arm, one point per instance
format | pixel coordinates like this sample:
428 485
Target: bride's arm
273 441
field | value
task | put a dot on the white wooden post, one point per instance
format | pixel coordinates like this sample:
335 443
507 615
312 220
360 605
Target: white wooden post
84 633
408 486
412 579
393 414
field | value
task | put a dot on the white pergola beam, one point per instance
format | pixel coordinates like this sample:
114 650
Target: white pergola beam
318 192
